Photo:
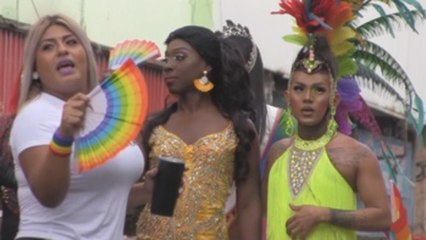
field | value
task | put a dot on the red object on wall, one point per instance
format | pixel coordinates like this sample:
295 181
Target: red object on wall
157 90
11 47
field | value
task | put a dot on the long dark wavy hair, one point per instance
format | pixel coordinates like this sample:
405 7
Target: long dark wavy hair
244 46
231 93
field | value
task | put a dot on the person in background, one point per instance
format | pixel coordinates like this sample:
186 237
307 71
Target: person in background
210 128
314 177
9 201
57 202
268 117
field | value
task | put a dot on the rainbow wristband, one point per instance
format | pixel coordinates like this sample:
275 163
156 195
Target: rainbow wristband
61 146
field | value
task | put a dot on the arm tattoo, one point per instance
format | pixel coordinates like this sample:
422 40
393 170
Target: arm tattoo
342 218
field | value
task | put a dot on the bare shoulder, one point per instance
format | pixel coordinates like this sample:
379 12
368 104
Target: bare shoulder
346 147
350 157
277 149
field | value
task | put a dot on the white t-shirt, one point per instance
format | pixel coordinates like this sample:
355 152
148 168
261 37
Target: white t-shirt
271 116
95 205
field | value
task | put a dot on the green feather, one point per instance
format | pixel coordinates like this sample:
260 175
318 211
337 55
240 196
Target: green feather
386 22
406 14
418 122
295 38
417 6
368 78
346 66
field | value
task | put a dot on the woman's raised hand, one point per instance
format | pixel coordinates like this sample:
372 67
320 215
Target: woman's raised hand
73 115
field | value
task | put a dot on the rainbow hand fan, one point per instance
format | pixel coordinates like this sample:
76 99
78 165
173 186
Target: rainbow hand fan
118 107
137 50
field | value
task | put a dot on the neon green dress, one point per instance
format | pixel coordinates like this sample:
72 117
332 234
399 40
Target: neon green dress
306 178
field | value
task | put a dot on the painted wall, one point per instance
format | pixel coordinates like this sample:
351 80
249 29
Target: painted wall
403 170
109 22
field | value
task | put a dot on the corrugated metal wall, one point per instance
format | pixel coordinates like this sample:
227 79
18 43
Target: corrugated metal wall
11 47
11 50
157 89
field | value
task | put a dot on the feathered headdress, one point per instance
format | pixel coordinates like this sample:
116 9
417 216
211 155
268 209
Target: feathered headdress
334 19
328 18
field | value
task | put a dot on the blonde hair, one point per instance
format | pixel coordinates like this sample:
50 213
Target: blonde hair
28 88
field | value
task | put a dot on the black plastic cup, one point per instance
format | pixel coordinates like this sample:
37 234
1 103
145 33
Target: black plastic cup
166 185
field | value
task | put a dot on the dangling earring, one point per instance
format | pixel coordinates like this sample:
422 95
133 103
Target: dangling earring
203 84
35 87
36 76
290 122
332 124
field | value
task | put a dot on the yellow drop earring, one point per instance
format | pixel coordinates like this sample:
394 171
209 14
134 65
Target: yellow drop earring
203 84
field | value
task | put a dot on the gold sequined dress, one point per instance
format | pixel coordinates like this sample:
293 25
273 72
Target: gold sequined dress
199 212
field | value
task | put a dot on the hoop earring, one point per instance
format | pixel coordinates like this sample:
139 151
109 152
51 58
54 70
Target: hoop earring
203 84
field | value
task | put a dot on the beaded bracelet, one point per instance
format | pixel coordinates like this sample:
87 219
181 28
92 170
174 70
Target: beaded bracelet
61 146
